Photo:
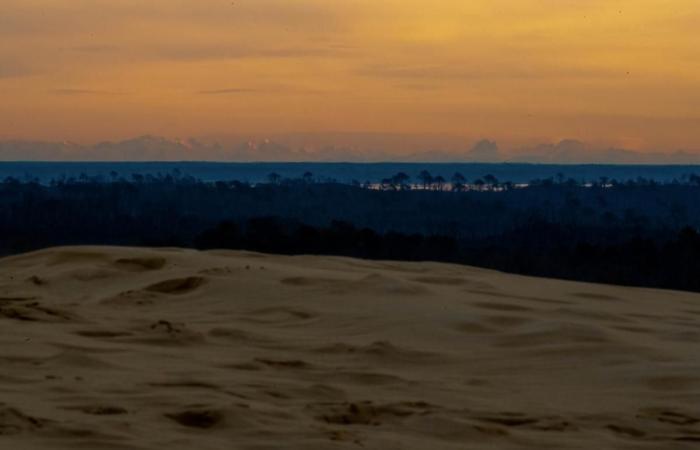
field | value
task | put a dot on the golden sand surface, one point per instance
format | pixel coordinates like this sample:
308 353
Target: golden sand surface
129 348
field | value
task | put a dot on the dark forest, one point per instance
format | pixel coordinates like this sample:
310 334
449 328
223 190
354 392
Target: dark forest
639 233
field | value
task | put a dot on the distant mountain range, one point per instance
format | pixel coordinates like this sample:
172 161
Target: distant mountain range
153 148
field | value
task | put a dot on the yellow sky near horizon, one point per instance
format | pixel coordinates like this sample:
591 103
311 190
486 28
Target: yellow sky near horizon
620 72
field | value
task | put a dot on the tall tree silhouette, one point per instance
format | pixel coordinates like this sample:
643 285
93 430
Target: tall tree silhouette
425 178
440 182
400 181
458 181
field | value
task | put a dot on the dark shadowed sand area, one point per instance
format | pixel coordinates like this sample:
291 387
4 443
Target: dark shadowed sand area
120 348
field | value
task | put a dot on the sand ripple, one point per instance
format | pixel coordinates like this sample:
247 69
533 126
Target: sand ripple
148 349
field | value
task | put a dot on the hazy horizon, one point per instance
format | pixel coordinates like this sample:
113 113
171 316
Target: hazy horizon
309 147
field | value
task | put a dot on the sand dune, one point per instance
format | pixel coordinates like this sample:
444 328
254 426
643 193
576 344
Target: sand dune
121 348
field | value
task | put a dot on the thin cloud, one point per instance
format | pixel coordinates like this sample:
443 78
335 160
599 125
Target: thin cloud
277 89
97 48
459 72
419 87
14 71
229 91
84 92
203 53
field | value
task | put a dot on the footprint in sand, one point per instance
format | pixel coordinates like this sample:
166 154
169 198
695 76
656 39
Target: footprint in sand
140 264
280 315
37 281
177 286
151 294
202 419
380 351
284 364
14 421
98 410
670 416
162 332
27 310
366 413
520 420
626 431
102 334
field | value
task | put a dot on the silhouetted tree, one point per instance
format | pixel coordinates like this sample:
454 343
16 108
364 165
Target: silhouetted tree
425 177
439 182
274 178
458 181
491 181
400 181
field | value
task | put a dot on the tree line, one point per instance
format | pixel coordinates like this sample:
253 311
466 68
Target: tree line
641 233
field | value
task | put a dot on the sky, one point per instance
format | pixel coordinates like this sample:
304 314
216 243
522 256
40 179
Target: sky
617 72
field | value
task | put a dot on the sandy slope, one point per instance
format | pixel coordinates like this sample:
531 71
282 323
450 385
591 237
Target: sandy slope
136 348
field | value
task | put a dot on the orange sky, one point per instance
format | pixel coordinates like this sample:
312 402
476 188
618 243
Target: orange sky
621 72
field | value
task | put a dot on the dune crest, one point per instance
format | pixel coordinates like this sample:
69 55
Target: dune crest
130 348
